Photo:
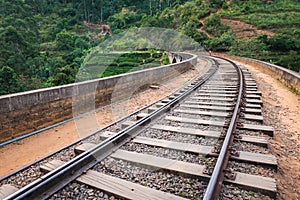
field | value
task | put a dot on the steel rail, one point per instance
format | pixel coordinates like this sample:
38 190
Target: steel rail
55 180
215 182
188 60
77 141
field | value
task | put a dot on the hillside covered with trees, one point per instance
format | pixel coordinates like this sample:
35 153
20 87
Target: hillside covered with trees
44 43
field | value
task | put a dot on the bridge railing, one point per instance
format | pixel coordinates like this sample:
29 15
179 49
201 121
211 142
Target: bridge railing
286 76
27 112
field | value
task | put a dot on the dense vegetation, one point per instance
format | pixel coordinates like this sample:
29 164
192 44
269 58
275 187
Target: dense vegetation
282 18
44 43
99 65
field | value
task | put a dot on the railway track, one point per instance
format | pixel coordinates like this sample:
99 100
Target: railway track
207 141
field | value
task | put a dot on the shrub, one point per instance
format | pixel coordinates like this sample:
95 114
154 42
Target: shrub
157 55
165 60
128 64
149 60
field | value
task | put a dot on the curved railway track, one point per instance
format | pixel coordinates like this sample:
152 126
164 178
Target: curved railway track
207 140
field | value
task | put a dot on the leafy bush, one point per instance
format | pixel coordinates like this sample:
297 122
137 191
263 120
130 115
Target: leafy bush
214 26
253 48
64 41
291 60
157 55
222 43
113 64
128 64
141 54
165 60
9 82
149 60
283 43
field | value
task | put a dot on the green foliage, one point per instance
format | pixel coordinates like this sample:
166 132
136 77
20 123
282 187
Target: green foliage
64 41
157 55
290 60
264 6
124 19
222 43
109 64
272 20
216 4
283 43
18 46
191 29
280 17
82 43
64 75
214 26
253 48
149 60
9 82
190 12
45 42
165 60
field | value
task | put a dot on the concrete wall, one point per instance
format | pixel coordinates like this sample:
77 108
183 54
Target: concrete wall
286 76
25 112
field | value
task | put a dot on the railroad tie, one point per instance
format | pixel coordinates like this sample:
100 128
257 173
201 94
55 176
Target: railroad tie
262 128
196 121
189 131
207 113
261 141
6 190
113 185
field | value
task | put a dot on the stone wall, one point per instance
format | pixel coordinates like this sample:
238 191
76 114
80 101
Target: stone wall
25 112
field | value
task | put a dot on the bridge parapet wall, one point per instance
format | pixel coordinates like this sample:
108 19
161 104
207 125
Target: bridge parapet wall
289 77
25 112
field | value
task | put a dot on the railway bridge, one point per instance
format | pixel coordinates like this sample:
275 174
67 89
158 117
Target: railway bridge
206 139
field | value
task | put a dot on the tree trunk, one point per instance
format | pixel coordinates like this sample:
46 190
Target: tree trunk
150 7
85 10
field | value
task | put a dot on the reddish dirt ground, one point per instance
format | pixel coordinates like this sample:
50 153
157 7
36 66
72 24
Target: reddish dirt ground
243 30
282 111
202 28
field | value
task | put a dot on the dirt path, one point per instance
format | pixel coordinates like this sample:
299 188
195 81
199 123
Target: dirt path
202 28
18 154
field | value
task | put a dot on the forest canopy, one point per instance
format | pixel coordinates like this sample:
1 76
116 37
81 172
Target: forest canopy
44 42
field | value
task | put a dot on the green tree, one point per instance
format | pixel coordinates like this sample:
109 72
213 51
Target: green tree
64 75
252 48
282 43
9 82
82 43
64 41
214 26
217 3
165 59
